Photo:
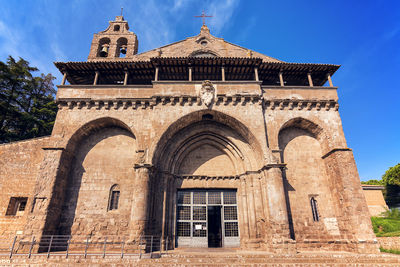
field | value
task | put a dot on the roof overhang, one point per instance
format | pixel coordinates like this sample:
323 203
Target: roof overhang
203 68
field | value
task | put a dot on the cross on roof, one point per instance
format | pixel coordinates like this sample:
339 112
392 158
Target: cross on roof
203 16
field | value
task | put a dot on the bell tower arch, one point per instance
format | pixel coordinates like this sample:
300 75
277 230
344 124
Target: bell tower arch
114 43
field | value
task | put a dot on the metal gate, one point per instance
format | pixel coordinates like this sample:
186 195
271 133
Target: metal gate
193 216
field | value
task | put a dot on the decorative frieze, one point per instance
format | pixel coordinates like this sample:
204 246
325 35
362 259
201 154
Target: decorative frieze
301 104
145 103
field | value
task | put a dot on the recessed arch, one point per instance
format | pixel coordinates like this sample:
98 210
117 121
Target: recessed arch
229 132
95 137
312 128
217 146
301 143
94 126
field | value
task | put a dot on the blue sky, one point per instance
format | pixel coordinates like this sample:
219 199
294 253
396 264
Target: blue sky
362 36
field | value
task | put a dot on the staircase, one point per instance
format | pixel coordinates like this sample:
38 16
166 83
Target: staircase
243 258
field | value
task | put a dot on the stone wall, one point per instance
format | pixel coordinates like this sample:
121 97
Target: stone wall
19 168
102 160
389 242
375 201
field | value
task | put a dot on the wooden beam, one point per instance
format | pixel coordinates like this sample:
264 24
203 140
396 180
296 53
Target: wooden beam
310 83
330 80
256 74
64 78
96 78
281 79
156 74
126 78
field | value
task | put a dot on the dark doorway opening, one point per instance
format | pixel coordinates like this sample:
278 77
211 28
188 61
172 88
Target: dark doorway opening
214 227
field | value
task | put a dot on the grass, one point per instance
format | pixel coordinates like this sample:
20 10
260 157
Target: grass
386 226
393 251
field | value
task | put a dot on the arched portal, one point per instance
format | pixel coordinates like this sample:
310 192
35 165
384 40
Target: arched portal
204 165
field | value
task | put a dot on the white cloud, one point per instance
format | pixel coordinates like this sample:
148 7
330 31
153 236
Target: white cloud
10 41
222 12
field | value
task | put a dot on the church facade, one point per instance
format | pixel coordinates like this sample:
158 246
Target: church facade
202 142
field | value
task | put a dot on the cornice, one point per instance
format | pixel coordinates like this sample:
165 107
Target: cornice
301 104
144 103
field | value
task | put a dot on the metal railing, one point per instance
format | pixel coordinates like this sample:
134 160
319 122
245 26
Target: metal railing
147 246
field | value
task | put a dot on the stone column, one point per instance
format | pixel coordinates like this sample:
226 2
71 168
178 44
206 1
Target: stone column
245 226
259 206
278 214
140 203
251 212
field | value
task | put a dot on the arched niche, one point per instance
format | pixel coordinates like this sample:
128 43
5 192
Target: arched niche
103 48
122 46
99 154
300 142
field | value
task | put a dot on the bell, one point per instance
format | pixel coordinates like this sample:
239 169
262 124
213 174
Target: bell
104 51
123 49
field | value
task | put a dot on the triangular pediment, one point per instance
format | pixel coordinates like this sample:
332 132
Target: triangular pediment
203 45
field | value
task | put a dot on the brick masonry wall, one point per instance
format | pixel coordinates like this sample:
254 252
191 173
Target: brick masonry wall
19 167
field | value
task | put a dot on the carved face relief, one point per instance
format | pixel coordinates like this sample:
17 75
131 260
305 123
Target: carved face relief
207 93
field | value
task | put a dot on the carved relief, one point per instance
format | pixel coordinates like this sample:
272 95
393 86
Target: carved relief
207 93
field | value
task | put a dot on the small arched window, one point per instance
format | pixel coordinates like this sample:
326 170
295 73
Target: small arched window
104 45
314 209
114 197
116 28
122 46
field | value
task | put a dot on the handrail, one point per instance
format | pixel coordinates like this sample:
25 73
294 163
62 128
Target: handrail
148 246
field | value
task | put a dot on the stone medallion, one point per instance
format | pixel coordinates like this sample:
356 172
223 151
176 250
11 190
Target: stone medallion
207 93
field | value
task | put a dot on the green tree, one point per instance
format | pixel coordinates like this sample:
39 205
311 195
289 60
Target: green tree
373 182
392 175
27 106
391 178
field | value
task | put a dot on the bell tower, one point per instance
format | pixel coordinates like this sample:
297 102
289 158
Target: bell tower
114 43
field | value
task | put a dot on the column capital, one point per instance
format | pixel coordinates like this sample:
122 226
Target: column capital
143 165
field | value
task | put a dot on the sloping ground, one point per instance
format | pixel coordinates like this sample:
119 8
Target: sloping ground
215 259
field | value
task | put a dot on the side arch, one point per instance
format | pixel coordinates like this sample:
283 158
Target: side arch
106 130
313 128
302 144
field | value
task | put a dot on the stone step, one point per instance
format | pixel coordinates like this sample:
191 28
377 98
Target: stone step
213 259
223 259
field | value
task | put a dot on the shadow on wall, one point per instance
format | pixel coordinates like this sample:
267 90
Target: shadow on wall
77 170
